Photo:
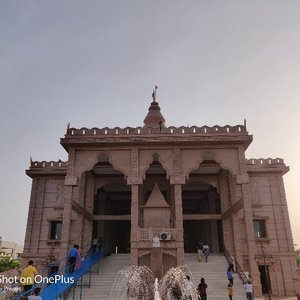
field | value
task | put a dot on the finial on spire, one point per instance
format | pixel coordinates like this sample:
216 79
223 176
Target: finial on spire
69 125
154 93
245 122
30 160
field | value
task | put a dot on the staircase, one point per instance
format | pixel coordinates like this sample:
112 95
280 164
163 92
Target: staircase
214 273
101 282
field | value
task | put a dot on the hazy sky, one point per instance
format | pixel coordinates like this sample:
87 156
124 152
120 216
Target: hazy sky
94 64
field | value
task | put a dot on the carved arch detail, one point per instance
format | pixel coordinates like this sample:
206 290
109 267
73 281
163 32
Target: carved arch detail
92 158
165 161
227 162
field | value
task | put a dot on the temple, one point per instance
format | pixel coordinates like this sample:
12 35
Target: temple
155 191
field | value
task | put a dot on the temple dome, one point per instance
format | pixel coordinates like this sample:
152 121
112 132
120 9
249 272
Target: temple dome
154 117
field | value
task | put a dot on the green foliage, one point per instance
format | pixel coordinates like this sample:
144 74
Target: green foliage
8 263
298 257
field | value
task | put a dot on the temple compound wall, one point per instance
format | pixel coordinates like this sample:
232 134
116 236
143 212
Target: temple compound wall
154 191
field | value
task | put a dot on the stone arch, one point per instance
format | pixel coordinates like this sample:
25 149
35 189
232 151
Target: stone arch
156 156
226 162
102 170
155 174
155 181
93 158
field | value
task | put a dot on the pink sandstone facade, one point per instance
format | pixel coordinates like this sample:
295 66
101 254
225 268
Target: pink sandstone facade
180 184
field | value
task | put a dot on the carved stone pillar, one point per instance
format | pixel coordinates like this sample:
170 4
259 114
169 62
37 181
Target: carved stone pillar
250 238
134 223
177 179
89 206
70 182
134 181
179 223
242 179
234 220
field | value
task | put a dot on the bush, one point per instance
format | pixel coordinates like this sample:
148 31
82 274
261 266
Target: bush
8 263
298 257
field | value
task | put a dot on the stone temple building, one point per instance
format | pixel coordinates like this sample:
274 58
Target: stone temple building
154 191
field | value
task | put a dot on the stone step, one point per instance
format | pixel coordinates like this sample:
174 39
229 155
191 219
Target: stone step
102 278
214 272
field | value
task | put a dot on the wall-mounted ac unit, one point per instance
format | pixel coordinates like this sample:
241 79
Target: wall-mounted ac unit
165 236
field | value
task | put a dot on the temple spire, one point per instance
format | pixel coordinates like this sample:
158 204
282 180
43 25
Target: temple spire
154 118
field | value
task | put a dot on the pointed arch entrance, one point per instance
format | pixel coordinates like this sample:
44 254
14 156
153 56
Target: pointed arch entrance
111 208
201 205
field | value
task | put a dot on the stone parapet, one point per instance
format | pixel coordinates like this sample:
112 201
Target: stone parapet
47 168
266 165
227 129
194 135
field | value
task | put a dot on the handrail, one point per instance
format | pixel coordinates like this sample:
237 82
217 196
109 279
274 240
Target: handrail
61 279
81 284
244 276
54 290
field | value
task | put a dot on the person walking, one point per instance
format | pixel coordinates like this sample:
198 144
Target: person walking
78 258
230 290
248 287
205 251
199 250
100 243
72 258
27 277
94 245
230 275
201 290
189 287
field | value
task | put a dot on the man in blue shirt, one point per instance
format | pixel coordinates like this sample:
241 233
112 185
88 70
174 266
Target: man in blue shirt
72 258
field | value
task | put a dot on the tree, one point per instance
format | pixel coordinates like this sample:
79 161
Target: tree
8 263
298 257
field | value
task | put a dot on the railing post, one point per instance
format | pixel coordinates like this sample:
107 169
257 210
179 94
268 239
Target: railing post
98 266
74 287
90 278
81 287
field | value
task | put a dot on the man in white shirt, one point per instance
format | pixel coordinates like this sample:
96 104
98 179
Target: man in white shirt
248 287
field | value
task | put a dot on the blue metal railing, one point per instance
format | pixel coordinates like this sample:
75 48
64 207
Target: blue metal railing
65 281
62 280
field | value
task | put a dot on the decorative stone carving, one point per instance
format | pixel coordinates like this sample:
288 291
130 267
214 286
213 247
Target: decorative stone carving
157 210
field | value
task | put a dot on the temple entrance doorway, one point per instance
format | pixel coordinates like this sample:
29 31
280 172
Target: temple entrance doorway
115 234
111 207
209 231
265 279
201 205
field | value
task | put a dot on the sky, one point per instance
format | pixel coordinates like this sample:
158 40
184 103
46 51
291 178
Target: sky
95 63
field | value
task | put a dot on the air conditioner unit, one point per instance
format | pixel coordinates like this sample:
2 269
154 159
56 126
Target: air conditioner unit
165 236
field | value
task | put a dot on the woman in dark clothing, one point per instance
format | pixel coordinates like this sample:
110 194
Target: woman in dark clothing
202 289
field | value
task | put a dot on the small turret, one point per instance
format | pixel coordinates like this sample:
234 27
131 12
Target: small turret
154 118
